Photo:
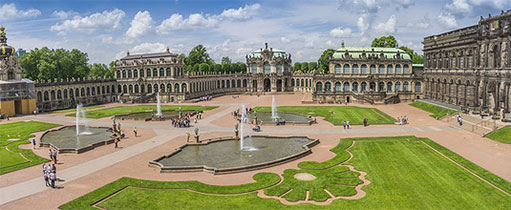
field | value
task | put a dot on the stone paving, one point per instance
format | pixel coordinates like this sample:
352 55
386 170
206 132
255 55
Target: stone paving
24 189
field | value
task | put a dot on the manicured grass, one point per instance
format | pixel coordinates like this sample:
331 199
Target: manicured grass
437 112
74 110
501 135
14 134
108 112
262 180
338 114
405 173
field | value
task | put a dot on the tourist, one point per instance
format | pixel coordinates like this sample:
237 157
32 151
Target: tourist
365 122
460 121
54 156
45 175
187 137
348 125
135 132
33 143
53 178
344 125
116 142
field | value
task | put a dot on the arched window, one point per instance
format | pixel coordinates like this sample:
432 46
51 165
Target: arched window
162 88
238 83
381 87
398 69
155 73
363 87
59 94
292 82
266 68
156 90
373 69
346 87
363 69
319 87
169 88
141 73
354 69
136 88
168 72
149 88
406 69
381 69
372 86
93 91
389 69
338 87
130 75
279 68
124 89
183 87
176 88
123 74
142 88
337 69
418 86
228 84
405 86
354 87
40 96
389 87
118 74
397 87
244 83
88 91
148 72
135 73
65 93
130 88
254 68
346 69
286 68
328 87
46 97
162 72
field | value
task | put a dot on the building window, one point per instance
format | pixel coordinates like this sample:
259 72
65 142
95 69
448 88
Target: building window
118 74
354 69
346 69
338 87
406 69
279 68
328 87
405 86
136 88
354 87
381 87
389 87
168 72
149 89
319 87
129 73
155 73
141 73
363 87
373 69
286 68
381 69
418 87
123 74
337 69
398 69
253 68
389 69
148 72
266 68
346 87
161 72
135 73
398 87
363 69
156 88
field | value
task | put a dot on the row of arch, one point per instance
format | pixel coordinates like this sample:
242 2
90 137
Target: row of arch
218 84
71 93
373 69
364 86
279 68
152 88
128 74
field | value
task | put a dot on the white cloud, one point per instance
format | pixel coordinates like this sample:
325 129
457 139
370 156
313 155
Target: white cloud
364 6
405 3
144 48
461 8
388 27
419 25
285 39
242 13
341 32
64 14
194 21
9 11
108 20
363 23
141 24
447 20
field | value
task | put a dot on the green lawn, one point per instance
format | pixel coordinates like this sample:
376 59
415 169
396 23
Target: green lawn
437 112
74 110
14 134
108 112
338 114
404 172
501 135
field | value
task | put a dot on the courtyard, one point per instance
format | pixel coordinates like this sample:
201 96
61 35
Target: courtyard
424 164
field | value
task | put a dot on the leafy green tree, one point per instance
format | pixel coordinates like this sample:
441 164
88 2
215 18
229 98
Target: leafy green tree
313 66
324 60
199 55
183 57
226 68
242 67
217 68
304 67
385 41
203 67
226 59
99 70
416 58
297 66
54 64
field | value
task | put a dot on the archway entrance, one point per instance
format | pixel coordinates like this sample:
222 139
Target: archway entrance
347 99
267 85
254 85
279 85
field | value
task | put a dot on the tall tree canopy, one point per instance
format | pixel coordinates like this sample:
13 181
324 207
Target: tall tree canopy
53 64
226 59
324 60
385 41
198 55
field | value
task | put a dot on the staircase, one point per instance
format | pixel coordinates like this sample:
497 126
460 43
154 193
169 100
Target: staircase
391 99
307 98
473 124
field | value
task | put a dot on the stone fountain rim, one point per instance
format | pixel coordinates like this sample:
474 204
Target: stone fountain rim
74 150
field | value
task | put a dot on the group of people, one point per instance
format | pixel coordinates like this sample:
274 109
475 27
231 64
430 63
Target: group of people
206 98
403 120
185 121
346 124
279 121
53 155
50 175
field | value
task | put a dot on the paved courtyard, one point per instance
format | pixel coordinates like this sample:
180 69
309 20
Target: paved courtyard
80 174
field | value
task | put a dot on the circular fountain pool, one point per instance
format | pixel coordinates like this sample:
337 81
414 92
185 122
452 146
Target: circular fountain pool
219 156
65 139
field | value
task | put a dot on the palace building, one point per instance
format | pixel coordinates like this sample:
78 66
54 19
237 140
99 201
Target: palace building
471 67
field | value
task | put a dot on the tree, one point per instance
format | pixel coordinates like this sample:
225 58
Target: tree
324 60
217 68
203 67
54 64
297 67
226 68
304 67
385 41
226 59
416 58
242 67
198 55
313 66
99 70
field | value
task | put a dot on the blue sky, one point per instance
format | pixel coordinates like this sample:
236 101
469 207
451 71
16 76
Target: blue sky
106 30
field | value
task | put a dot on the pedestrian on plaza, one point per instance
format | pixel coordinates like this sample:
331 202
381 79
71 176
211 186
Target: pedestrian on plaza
365 122
50 153
348 125
187 137
53 178
54 156
344 125
53 168
33 143
135 132
116 142
45 175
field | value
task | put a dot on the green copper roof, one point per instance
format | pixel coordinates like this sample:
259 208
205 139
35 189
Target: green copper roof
276 53
356 52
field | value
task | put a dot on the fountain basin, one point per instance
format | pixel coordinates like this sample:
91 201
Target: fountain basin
265 118
223 155
65 140
150 115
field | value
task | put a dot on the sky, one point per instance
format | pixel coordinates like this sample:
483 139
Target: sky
106 30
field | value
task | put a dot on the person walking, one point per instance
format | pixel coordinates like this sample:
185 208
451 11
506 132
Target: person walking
45 175
187 137
344 125
116 142
54 156
135 132
365 122
53 178
33 143
50 153
348 125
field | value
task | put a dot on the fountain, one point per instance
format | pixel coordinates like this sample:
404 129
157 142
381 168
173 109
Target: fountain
81 124
158 106
245 138
273 108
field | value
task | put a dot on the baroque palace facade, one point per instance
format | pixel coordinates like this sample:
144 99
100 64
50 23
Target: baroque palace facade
471 67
